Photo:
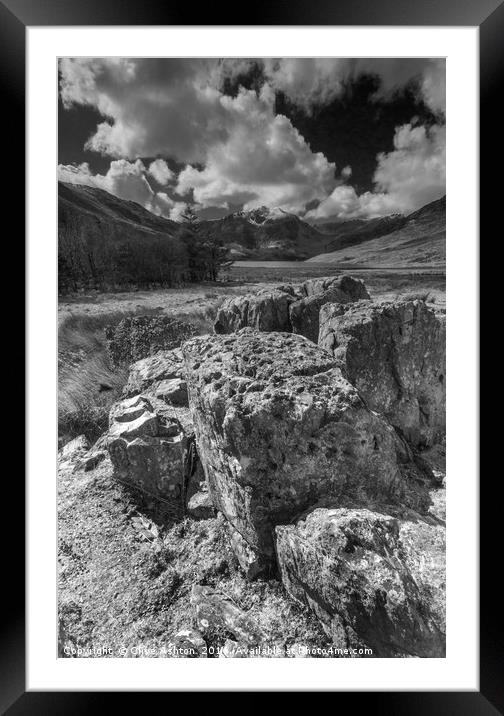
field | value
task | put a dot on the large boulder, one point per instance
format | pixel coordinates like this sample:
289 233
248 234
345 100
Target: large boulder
265 311
394 354
278 427
148 446
288 307
304 314
147 374
354 288
374 577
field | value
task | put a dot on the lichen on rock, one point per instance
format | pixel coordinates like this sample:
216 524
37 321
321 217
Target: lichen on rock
147 444
149 374
265 311
278 427
304 314
394 354
374 576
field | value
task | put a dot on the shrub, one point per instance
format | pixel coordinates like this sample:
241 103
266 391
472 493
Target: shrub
138 337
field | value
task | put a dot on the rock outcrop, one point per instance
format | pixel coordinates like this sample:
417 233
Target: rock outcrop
304 314
148 447
150 373
172 392
278 427
394 354
288 307
264 311
375 577
353 288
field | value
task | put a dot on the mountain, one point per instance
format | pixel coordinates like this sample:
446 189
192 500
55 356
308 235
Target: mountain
91 204
101 236
105 241
418 238
267 234
346 233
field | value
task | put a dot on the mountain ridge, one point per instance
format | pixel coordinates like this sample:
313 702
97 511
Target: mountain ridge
98 217
418 238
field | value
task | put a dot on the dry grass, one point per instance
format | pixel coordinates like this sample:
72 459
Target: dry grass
83 406
88 383
117 588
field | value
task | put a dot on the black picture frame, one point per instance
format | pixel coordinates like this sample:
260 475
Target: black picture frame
15 17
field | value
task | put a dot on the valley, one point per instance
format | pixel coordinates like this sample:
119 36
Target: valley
106 242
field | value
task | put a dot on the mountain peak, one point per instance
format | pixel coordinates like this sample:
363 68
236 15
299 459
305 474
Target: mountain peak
262 214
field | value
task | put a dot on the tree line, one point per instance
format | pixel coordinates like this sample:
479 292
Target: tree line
94 252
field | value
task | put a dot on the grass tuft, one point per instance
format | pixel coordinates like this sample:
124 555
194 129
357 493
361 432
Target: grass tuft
88 382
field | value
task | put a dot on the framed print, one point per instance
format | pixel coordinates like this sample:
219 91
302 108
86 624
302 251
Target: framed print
252 305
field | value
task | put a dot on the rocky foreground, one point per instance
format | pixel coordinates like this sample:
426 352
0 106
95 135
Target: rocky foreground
302 442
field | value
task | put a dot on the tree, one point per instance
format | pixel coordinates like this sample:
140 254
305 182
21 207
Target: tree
205 253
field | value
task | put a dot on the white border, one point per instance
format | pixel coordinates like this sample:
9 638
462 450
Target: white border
460 668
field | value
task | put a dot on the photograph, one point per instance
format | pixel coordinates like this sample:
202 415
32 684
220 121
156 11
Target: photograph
251 357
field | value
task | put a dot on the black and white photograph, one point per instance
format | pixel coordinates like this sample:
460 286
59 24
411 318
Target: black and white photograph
251 357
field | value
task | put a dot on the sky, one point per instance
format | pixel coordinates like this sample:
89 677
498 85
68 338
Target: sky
326 139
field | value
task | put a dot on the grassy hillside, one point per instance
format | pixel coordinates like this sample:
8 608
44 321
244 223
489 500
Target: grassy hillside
354 231
92 203
419 239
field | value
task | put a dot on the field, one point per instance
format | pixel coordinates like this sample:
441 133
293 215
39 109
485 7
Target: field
245 277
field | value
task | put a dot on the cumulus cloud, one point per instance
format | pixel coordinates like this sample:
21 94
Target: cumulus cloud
249 154
178 210
307 81
264 160
311 82
410 176
126 180
433 86
152 106
237 150
161 172
415 171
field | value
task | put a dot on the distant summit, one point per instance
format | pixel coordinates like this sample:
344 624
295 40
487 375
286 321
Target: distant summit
265 233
